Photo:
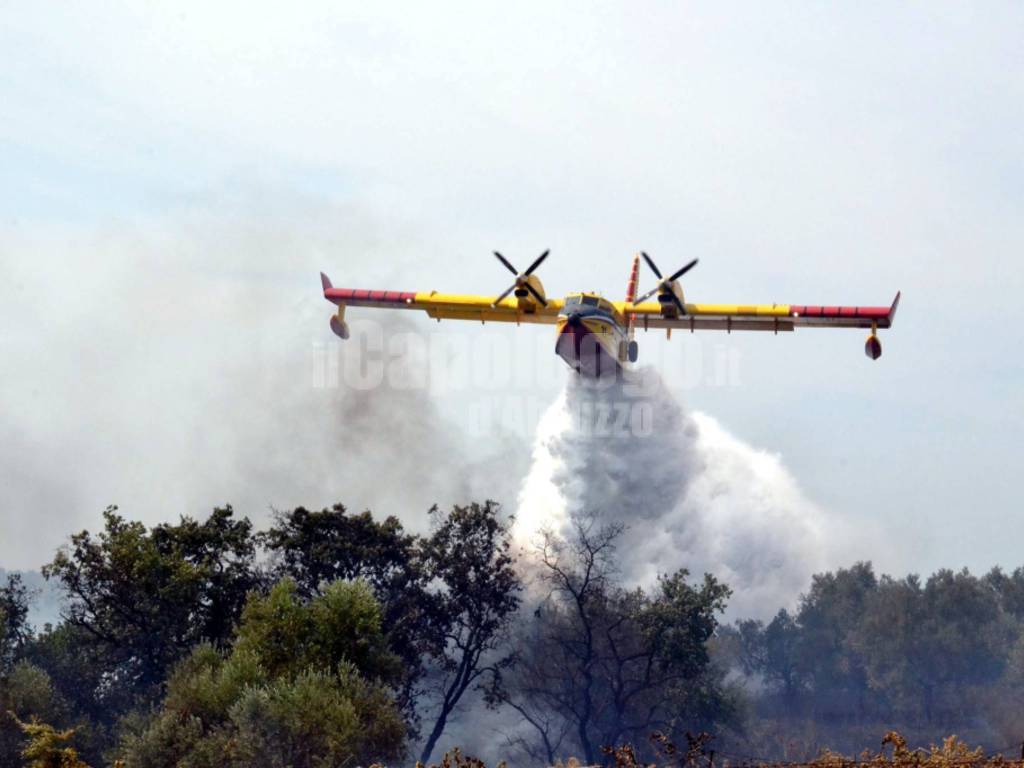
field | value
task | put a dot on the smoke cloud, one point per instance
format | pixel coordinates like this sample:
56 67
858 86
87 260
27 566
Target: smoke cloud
174 386
691 495
185 361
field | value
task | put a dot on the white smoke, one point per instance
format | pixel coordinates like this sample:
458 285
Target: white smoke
185 362
691 495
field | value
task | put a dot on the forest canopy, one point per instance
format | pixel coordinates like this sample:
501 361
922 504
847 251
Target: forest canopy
334 638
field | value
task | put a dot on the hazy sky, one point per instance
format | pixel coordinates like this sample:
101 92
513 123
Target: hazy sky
173 178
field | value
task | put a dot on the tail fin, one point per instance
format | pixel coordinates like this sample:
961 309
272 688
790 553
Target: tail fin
634 277
325 281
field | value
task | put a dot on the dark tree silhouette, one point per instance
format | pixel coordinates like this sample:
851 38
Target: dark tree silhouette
140 599
600 664
317 548
475 597
15 631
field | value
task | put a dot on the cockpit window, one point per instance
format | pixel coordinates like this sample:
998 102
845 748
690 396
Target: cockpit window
590 301
572 301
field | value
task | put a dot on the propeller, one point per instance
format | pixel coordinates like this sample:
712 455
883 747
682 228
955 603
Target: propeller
665 283
521 278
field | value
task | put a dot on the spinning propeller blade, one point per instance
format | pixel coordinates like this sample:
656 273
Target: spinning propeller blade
522 280
651 264
664 285
684 270
537 263
647 295
508 266
501 298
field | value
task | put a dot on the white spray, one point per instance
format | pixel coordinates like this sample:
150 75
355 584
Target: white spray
691 495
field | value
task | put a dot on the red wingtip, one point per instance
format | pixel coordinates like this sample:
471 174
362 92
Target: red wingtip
325 281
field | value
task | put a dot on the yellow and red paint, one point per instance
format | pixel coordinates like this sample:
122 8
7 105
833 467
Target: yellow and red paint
590 345
631 289
367 298
592 341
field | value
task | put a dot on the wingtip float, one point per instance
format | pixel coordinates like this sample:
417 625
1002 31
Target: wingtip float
596 335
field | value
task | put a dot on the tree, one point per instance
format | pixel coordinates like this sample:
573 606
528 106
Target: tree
26 694
474 599
1009 589
927 644
288 634
15 631
828 616
679 687
140 599
578 574
306 685
446 598
602 664
49 748
79 670
317 548
775 653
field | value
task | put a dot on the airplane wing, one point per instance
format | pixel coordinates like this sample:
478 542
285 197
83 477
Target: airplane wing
446 306
761 317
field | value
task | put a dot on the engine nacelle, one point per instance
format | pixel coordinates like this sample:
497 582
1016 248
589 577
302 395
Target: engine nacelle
873 347
522 292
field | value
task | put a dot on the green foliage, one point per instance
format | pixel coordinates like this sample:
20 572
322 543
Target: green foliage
776 653
48 748
446 598
301 687
179 650
923 643
206 684
139 600
26 694
317 548
286 635
228 712
1009 590
862 653
474 597
317 719
15 631
680 620
79 671
828 617
600 664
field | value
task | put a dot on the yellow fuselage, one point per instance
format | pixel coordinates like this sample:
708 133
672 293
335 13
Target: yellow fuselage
591 335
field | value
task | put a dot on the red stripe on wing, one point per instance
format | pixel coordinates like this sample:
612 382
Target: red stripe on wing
797 310
362 295
881 315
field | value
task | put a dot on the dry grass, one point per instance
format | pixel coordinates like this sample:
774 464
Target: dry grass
952 753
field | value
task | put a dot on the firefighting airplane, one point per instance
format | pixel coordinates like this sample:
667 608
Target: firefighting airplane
595 335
